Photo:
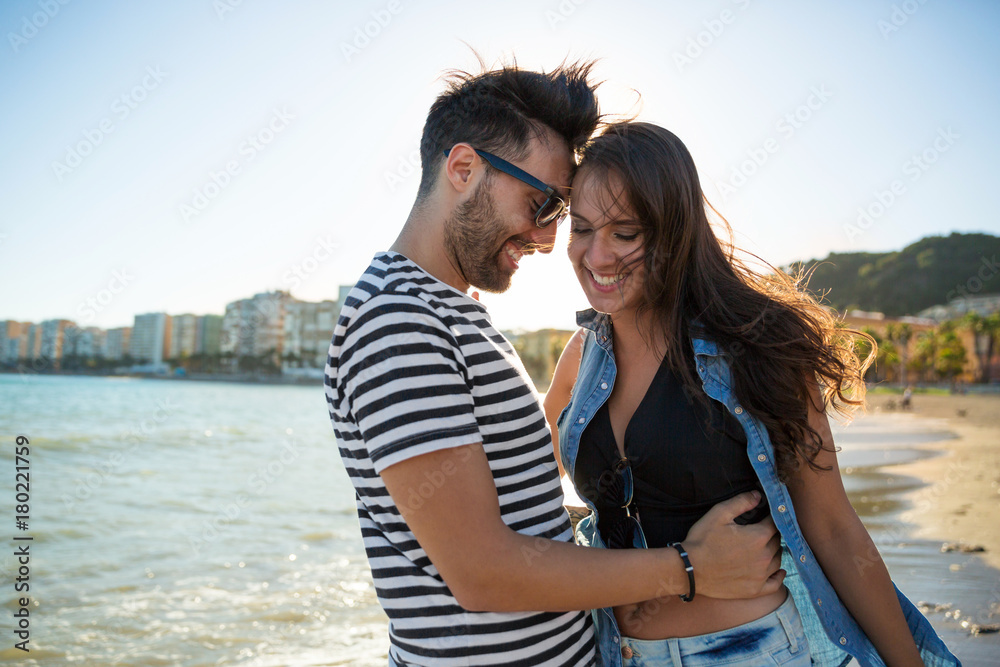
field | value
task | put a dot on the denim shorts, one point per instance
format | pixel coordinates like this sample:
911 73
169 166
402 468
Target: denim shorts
775 639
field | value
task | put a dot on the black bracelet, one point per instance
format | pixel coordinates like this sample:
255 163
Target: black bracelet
688 568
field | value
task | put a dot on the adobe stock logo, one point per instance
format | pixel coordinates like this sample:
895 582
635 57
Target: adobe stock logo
914 168
701 42
247 151
786 126
91 306
364 34
37 21
122 108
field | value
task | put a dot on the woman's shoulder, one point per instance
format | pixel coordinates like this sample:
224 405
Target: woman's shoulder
575 344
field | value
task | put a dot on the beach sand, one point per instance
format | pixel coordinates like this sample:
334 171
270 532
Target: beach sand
961 500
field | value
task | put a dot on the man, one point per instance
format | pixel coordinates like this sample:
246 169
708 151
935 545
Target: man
441 430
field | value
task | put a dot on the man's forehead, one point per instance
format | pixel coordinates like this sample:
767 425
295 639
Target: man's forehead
555 164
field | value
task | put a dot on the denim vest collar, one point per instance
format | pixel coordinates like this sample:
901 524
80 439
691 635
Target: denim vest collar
600 324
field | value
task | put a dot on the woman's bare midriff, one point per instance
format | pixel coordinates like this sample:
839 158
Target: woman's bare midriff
667 617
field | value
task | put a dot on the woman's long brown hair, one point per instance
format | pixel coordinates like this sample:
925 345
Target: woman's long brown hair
778 337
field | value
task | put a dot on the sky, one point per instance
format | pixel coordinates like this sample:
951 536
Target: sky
178 156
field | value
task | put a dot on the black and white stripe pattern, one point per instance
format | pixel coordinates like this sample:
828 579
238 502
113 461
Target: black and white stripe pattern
416 366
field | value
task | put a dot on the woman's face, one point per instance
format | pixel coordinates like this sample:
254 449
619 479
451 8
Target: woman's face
606 245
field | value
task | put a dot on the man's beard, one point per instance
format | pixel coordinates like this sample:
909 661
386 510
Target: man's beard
475 236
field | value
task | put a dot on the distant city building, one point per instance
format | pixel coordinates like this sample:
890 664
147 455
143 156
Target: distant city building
308 329
13 340
856 319
539 351
150 341
183 336
879 324
85 343
341 297
33 343
208 332
957 308
117 342
254 327
53 337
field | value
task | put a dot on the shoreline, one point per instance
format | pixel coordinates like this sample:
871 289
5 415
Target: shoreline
241 378
958 503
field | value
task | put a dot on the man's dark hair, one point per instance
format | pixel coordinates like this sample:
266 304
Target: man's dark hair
500 111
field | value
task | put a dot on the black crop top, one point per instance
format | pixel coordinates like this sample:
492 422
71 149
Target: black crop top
685 457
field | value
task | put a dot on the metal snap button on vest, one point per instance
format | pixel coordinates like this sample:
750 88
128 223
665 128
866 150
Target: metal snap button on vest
761 457
802 558
781 508
604 385
843 640
738 410
580 420
626 652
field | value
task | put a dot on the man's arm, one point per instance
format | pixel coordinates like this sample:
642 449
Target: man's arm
490 567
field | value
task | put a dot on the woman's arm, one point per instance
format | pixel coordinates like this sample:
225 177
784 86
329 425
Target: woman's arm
559 392
845 550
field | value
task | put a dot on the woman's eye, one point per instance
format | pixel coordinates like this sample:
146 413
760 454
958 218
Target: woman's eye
627 237
574 229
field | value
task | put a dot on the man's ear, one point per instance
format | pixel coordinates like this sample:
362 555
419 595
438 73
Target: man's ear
463 168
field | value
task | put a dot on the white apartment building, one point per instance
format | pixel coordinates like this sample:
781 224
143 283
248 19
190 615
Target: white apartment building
308 329
150 341
86 343
183 336
208 331
958 307
53 336
116 342
255 326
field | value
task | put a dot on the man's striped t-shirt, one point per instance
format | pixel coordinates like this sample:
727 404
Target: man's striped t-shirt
415 367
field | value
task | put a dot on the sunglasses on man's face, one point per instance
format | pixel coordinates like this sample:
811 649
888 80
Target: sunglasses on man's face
616 485
554 207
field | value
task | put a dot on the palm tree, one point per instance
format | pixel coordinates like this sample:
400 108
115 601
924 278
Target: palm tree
951 353
985 330
886 358
885 354
900 334
925 354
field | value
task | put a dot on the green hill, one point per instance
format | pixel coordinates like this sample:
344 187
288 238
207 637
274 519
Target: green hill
931 271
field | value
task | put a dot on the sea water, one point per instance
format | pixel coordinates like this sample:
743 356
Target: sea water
212 523
184 523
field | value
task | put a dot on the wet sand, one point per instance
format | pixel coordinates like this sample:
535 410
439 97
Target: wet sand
961 500
926 483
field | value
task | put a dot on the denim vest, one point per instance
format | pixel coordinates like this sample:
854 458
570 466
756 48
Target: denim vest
833 633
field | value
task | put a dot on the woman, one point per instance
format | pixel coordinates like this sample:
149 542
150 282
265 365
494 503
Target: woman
696 379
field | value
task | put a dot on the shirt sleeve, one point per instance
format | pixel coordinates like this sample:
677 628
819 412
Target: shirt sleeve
405 381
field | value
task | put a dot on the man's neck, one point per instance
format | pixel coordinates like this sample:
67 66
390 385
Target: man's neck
422 241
